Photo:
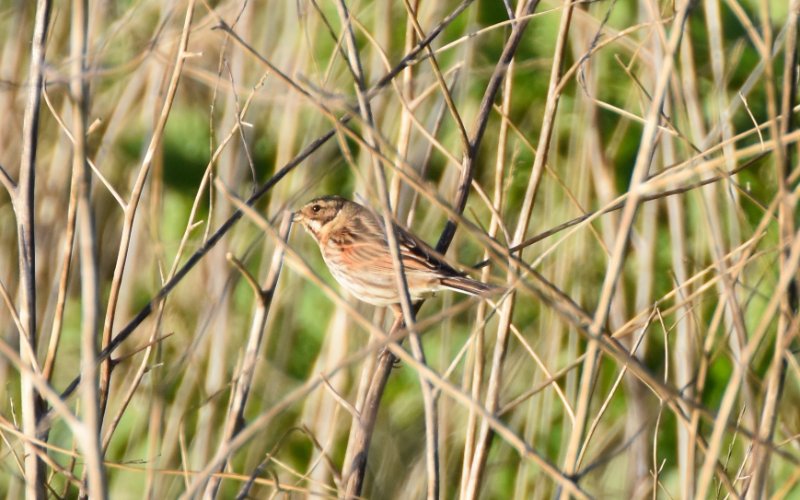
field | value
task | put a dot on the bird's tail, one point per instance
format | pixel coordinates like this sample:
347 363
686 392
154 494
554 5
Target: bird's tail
466 285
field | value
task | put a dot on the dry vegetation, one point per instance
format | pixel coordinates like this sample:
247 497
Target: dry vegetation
628 169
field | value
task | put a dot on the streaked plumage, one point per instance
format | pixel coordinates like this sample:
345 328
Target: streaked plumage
353 244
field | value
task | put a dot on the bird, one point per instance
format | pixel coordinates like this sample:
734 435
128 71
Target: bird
354 246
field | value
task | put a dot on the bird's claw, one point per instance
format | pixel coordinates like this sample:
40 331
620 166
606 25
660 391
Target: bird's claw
385 352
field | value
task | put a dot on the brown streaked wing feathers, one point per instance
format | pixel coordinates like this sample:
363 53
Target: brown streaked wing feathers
417 255
416 251
368 246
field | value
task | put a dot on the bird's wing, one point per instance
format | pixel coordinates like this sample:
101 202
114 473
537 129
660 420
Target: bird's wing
371 248
418 255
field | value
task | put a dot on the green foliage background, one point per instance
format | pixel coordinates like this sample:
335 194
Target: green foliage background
670 291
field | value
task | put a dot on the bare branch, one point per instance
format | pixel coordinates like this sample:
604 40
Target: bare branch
7 182
23 201
133 202
243 377
94 470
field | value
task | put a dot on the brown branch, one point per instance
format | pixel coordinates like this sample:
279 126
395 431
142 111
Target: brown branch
7 182
23 202
353 478
66 263
759 468
243 378
94 471
481 121
133 204
226 226
620 204
384 366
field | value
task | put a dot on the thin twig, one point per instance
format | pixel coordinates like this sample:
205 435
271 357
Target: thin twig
7 182
356 471
66 264
485 434
243 377
776 375
226 226
133 203
482 120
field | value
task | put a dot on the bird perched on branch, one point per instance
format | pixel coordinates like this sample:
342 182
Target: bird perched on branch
353 243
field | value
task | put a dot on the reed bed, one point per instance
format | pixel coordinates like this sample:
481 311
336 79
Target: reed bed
627 171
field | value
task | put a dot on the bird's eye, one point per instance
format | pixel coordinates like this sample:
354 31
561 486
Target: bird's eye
316 208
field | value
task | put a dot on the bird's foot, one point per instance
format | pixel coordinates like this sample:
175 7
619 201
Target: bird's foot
386 353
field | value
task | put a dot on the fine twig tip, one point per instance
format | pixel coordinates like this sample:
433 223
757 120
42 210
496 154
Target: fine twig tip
7 181
251 280
222 26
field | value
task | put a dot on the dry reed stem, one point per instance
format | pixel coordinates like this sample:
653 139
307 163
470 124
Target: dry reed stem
355 472
484 438
91 405
263 419
135 196
474 374
710 259
23 201
243 377
756 487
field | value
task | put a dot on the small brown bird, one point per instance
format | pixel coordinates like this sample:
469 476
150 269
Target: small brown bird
353 243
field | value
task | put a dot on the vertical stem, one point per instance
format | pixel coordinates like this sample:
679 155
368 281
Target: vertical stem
777 370
683 353
234 420
640 171
404 132
133 203
478 353
353 472
23 201
87 248
484 439
406 308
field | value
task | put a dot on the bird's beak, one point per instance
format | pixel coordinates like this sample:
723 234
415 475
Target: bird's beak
297 217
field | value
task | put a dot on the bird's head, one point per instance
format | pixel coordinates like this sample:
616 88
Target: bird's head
319 214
